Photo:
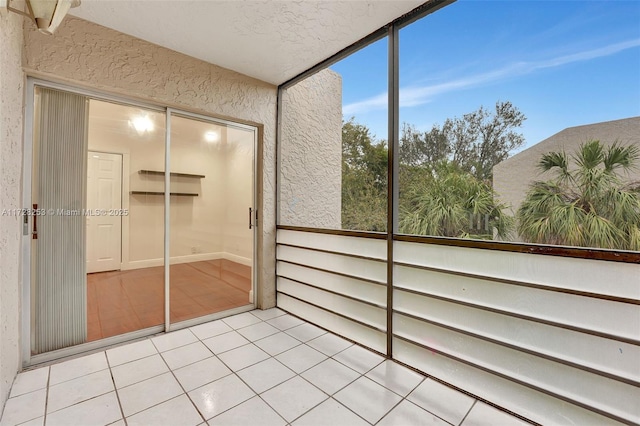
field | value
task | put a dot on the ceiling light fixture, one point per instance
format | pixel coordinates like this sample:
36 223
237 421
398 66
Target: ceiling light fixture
45 14
142 124
212 136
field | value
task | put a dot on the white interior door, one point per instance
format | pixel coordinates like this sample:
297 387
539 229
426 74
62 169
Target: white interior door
104 214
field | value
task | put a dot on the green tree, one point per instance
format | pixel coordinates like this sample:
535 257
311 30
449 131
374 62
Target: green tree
364 179
475 142
438 196
424 148
586 204
445 200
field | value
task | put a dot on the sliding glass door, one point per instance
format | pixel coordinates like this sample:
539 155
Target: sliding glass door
119 244
125 219
211 241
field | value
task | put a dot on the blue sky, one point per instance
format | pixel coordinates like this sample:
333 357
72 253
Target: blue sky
562 63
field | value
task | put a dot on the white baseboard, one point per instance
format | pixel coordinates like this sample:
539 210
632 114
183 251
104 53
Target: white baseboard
150 263
238 259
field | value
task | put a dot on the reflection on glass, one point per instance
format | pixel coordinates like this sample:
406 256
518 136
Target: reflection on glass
211 245
125 220
524 127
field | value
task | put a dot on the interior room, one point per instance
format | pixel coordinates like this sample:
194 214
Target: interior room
210 244
116 216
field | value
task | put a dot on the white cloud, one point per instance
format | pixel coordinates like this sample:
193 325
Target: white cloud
418 95
376 102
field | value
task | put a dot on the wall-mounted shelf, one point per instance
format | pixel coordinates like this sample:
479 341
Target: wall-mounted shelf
178 194
157 172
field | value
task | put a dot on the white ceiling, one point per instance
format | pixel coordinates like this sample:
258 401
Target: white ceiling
271 40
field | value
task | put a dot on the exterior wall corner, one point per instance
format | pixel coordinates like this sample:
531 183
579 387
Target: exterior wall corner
11 130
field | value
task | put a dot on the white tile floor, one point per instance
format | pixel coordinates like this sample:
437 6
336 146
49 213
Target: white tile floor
256 368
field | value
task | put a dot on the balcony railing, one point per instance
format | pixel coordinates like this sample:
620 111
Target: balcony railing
553 339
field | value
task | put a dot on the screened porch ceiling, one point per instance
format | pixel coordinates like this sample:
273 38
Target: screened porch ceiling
269 40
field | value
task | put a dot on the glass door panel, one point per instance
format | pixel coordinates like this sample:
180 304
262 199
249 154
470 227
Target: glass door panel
97 231
125 231
211 245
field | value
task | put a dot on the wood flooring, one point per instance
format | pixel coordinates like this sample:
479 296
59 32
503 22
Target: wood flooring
123 301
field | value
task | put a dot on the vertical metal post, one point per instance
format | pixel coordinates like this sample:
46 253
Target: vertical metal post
256 252
28 248
392 173
278 150
280 93
167 211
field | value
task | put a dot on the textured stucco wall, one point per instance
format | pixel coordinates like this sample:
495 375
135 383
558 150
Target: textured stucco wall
11 100
512 177
90 55
311 152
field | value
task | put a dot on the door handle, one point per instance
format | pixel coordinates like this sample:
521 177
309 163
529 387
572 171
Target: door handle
253 224
35 222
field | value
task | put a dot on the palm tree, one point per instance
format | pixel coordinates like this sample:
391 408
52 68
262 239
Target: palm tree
447 201
586 204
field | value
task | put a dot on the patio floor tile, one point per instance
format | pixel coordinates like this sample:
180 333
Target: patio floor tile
293 398
359 395
249 369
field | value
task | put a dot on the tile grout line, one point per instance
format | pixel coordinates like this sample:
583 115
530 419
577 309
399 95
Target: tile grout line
259 395
46 398
389 389
240 378
330 396
279 331
115 390
232 372
424 379
402 398
300 375
296 375
185 393
270 356
191 363
131 360
83 401
77 378
342 386
390 410
151 406
140 381
361 375
475 401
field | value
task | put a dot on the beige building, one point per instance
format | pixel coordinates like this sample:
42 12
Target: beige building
512 177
